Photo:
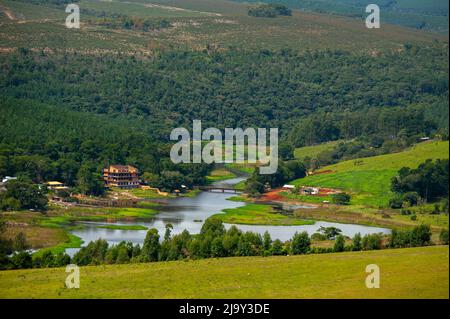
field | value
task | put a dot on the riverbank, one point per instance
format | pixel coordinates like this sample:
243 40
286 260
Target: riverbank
254 214
405 273
52 230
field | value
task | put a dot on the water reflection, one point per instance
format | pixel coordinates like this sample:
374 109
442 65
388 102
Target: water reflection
190 213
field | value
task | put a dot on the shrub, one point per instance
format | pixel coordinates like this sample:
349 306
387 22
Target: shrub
277 248
396 202
20 242
356 244
418 236
22 260
443 236
421 235
411 197
371 242
61 259
341 198
318 237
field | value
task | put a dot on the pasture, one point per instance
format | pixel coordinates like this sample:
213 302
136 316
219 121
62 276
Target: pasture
404 273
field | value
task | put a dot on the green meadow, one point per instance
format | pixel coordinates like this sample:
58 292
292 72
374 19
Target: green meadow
368 179
219 175
254 214
404 273
313 150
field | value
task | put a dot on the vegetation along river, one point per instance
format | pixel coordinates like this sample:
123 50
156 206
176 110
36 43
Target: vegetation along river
190 213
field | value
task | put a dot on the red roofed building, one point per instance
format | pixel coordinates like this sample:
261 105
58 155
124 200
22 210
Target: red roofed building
122 176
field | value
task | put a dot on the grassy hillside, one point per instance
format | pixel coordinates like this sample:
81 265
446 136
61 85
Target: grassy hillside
405 273
314 150
142 9
369 178
429 15
195 24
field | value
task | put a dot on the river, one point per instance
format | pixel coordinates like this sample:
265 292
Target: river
190 212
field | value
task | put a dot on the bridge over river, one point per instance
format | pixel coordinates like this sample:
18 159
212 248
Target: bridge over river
218 189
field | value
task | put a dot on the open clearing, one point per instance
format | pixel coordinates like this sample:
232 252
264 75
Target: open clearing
405 273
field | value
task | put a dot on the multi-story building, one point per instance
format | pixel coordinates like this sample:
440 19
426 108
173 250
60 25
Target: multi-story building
122 176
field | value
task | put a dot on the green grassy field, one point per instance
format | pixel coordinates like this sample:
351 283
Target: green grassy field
219 175
368 179
404 273
254 214
313 150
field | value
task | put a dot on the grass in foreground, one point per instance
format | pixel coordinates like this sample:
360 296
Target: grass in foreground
254 214
405 273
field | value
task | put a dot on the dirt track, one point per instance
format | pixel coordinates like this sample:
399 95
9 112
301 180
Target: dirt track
8 13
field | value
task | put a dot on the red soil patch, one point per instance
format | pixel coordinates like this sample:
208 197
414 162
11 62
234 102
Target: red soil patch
271 196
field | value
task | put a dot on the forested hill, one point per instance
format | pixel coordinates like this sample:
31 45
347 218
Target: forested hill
73 100
233 88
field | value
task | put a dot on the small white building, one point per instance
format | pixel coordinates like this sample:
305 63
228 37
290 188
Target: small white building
309 190
7 179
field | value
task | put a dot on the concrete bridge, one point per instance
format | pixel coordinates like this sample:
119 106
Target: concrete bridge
218 189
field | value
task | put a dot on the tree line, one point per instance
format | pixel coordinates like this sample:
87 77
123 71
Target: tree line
366 95
270 10
214 241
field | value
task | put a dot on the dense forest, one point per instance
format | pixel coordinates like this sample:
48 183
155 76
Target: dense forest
63 111
39 142
235 88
